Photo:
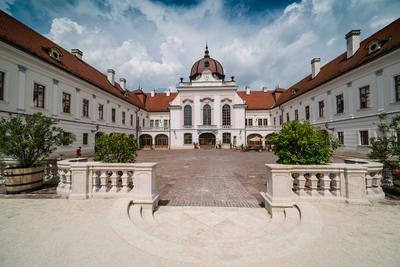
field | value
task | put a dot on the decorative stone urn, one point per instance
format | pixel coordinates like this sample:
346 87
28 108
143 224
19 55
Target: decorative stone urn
19 179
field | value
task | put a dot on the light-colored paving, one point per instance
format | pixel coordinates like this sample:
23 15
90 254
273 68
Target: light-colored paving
216 236
59 232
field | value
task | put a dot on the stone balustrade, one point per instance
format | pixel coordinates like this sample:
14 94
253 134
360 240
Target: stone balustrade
82 179
351 183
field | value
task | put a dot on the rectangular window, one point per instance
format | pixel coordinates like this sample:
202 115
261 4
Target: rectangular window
67 136
364 97
260 122
131 119
123 117
113 114
287 116
187 139
340 136
296 114
143 123
245 122
38 95
265 122
226 138
85 138
364 139
101 112
85 108
151 123
280 119
2 77
157 123
307 111
250 122
396 87
166 124
339 104
66 103
274 121
321 108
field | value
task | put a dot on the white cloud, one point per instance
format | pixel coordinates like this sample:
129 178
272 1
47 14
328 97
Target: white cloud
154 44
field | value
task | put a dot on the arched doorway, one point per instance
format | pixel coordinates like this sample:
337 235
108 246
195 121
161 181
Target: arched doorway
207 140
268 144
254 141
161 141
146 141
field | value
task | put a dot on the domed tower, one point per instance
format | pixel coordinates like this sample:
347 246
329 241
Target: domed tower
208 64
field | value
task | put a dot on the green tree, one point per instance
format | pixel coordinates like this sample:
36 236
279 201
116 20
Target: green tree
31 138
386 147
301 143
116 148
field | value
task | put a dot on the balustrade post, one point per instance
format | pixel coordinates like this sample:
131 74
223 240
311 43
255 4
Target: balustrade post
114 182
95 178
301 184
79 177
368 183
377 184
103 181
325 185
124 179
355 184
145 191
336 185
313 185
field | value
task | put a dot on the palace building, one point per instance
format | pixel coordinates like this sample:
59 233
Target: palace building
344 96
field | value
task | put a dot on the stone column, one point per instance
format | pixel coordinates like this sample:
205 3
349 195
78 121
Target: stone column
145 191
279 193
55 104
78 104
21 87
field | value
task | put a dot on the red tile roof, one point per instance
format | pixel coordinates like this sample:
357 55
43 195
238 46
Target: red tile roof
342 65
159 102
258 99
21 36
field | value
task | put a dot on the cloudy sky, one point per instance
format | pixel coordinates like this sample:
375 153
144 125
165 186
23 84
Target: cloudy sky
154 43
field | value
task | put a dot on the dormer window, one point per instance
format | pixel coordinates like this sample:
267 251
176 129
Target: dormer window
54 52
206 64
294 91
373 46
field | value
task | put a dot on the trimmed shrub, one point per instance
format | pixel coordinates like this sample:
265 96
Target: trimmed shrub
116 148
301 143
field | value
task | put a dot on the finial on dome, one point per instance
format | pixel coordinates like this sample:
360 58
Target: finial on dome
206 53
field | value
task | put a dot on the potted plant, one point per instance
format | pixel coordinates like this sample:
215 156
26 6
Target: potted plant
29 139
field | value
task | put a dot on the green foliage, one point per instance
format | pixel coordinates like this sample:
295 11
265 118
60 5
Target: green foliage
386 147
31 138
116 148
301 143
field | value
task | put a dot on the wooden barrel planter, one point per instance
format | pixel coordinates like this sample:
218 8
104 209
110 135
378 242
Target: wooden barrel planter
19 179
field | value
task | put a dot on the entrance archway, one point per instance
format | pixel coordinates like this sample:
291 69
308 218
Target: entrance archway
207 140
161 141
254 141
146 141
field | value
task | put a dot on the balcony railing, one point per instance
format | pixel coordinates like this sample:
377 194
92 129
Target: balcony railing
154 129
207 126
261 127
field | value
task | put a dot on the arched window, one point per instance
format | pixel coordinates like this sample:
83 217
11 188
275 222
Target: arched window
187 138
207 114
226 138
187 115
226 115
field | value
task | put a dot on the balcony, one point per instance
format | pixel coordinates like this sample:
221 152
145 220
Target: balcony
261 127
154 129
207 126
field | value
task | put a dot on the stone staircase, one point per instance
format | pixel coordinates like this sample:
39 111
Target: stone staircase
214 235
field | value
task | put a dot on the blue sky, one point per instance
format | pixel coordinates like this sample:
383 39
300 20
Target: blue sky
154 43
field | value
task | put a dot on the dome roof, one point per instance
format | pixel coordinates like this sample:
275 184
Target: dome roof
207 63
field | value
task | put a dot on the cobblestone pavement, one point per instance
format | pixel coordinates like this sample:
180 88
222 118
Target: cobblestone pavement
222 178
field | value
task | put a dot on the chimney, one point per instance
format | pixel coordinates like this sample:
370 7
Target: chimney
122 83
353 42
247 90
153 92
168 92
111 76
315 67
76 52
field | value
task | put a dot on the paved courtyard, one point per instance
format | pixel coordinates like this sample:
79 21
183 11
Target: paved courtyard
223 178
